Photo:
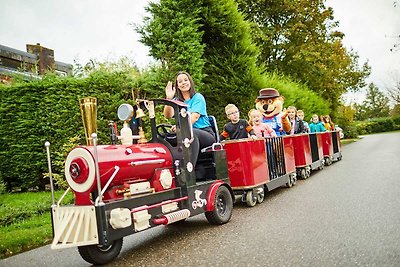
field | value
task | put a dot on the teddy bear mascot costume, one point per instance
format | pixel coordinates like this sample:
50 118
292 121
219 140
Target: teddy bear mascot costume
270 103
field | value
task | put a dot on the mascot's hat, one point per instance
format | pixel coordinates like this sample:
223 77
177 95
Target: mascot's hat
268 93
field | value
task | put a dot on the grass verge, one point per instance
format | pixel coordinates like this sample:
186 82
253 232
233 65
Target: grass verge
25 221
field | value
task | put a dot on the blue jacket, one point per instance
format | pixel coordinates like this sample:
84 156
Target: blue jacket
316 127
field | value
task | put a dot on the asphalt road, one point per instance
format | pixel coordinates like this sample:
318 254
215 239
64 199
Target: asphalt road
345 215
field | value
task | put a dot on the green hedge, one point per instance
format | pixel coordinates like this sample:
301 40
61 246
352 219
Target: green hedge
48 110
378 125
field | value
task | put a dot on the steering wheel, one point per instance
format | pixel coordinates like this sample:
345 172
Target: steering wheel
163 130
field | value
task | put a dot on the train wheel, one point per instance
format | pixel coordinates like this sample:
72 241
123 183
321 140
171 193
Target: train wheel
223 206
290 183
99 255
251 199
294 180
308 173
303 174
261 196
322 165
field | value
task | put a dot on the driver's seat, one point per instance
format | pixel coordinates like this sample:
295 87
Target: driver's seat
214 126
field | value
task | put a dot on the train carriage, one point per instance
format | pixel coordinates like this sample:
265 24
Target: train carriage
256 166
247 168
331 146
308 154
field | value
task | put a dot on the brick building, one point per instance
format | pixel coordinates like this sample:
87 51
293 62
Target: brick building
33 63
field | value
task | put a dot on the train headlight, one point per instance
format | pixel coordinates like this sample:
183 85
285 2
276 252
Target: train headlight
166 179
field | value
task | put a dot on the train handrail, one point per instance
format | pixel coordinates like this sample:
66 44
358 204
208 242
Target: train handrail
96 203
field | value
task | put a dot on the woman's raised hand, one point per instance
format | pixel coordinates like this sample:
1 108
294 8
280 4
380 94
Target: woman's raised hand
170 90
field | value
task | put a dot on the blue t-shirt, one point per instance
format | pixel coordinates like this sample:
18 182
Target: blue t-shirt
198 104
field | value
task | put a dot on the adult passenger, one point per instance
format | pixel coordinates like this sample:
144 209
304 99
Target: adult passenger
183 90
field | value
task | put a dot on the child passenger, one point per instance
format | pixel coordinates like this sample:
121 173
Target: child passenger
315 125
260 129
300 115
237 128
297 125
328 124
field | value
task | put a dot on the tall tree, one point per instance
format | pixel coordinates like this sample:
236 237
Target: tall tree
298 38
174 37
232 73
375 105
211 40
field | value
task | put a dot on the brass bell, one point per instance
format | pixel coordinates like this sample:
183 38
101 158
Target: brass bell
140 113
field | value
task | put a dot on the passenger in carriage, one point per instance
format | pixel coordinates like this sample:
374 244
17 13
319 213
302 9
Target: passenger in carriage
183 90
328 124
260 128
297 125
315 125
300 115
237 128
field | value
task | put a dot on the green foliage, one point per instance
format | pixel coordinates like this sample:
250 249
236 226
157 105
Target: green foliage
377 125
25 235
60 155
232 73
25 221
350 131
48 110
376 104
298 38
174 37
17 207
396 121
3 188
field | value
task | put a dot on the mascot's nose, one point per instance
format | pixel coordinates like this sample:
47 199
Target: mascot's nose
265 106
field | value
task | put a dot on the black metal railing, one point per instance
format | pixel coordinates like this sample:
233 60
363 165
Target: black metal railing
275 157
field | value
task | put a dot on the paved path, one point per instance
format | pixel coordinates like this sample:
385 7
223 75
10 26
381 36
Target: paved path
345 215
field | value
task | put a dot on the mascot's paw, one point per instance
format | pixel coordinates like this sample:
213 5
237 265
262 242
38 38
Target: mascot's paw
285 113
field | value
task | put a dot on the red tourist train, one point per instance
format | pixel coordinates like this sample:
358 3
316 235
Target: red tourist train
124 189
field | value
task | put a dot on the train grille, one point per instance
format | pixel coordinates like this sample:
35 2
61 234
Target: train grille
275 157
74 226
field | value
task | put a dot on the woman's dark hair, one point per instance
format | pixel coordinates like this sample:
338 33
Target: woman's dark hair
178 91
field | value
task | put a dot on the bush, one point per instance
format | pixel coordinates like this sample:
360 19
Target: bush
350 131
375 126
17 207
396 122
48 110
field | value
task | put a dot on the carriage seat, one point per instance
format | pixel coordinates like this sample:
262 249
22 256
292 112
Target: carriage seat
217 145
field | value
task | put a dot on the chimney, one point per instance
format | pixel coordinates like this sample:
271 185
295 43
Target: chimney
45 57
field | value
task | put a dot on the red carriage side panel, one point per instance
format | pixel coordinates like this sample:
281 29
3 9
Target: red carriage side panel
288 146
320 142
327 144
302 150
247 165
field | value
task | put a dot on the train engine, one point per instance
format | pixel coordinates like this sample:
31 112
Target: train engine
121 189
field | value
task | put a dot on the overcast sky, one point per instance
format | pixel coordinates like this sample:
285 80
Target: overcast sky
100 29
